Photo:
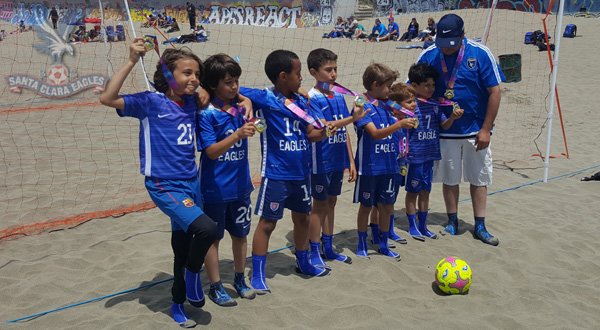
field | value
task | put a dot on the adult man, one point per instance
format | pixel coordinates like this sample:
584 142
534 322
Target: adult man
191 11
470 76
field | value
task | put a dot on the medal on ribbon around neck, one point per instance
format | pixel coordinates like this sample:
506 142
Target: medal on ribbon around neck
416 122
449 94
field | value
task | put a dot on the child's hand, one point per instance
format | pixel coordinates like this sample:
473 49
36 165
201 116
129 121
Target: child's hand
136 50
246 131
247 104
407 123
332 128
304 93
457 113
359 113
203 98
352 174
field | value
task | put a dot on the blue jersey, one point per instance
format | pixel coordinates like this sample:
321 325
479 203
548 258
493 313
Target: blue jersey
284 143
424 141
166 134
226 178
478 71
393 26
379 30
376 157
330 154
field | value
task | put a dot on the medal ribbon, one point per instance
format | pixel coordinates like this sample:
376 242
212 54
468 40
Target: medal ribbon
395 106
295 109
233 110
163 65
450 81
334 87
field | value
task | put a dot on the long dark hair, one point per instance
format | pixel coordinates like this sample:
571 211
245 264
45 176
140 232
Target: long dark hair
170 56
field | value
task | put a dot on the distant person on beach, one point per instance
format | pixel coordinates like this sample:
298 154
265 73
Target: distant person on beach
54 17
191 12
168 161
412 31
393 31
470 76
378 31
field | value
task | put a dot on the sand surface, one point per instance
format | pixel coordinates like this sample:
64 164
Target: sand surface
544 273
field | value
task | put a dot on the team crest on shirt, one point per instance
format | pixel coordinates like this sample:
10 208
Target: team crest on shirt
274 206
188 202
366 195
319 188
471 63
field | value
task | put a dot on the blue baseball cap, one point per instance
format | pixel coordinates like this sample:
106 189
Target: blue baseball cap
450 31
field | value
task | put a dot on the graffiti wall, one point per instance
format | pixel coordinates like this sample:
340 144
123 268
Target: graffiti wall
286 13
383 7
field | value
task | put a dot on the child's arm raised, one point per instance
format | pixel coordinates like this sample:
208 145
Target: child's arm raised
382 133
110 97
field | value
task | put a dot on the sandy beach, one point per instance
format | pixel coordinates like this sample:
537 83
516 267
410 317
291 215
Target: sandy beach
543 275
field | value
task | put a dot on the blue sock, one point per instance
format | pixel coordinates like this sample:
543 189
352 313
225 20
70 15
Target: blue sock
258 279
193 289
412 227
330 253
178 313
384 248
305 267
479 222
375 234
423 225
315 255
361 250
452 226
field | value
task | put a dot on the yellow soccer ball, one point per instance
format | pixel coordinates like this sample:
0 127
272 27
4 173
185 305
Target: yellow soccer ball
453 275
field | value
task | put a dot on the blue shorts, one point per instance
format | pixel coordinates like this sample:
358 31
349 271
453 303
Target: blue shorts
275 195
178 199
325 185
371 190
235 216
419 177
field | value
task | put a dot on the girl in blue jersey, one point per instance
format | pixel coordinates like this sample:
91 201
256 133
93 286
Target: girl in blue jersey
225 173
167 160
376 157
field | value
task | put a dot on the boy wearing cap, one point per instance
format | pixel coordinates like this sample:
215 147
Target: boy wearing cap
469 75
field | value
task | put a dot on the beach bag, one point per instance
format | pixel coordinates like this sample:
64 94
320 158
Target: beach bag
570 31
542 46
529 38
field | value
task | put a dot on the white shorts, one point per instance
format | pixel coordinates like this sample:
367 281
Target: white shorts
458 154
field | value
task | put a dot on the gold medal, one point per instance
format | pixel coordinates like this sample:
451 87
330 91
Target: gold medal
455 106
260 125
328 131
149 42
416 122
449 94
359 101
403 170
